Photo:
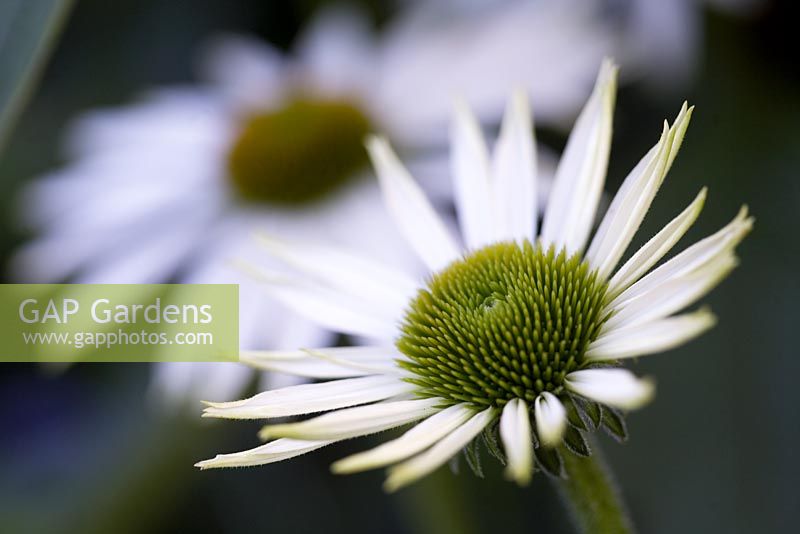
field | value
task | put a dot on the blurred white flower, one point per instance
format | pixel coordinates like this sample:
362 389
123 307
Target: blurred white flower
172 187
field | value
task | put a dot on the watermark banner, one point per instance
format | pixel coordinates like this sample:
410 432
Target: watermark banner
119 322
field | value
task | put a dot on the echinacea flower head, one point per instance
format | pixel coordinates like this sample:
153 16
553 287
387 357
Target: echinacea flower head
519 335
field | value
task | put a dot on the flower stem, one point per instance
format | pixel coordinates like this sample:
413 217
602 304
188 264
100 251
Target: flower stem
591 495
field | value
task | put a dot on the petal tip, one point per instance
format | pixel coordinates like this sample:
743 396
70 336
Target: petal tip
648 393
522 477
206 464
340 467
378 148
394 483
551 419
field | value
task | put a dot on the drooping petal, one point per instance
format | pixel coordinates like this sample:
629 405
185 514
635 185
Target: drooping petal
515 431
514 174
671 296
411 211
551 419
310 398
657 247
361 354
329 308
335 362
471 180
616 387
318 368
582 170
695 257
419 438
311 368
358 276
426 462
649 338
274 451
634 197
353 422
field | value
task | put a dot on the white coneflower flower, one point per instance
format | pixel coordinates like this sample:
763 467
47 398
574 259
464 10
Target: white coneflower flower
514 325
170 189
517 324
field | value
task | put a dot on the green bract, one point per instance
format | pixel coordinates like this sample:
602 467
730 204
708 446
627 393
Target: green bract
507 321
298 153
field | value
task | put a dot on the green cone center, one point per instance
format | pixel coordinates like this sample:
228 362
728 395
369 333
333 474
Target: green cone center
506 321
298 153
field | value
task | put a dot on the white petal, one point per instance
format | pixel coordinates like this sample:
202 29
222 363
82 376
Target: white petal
471 179
358 276
310 398
652 337
327 307
634 197
353 422
616 387
551 419
582 169
514 174
671 296
275 451
336 362
426 462
354 354
696 256
316 368
515 431
419 438
411 211
335 311
657 247
384 365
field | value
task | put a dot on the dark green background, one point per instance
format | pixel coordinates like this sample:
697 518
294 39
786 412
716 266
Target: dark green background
84 451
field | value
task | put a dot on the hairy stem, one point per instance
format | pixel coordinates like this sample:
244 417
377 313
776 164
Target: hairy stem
591 495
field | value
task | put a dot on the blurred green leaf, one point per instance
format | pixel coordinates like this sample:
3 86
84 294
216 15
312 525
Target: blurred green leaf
27 32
